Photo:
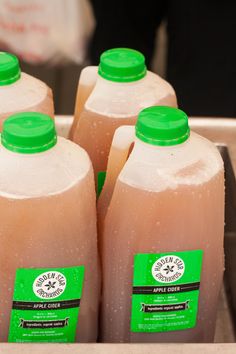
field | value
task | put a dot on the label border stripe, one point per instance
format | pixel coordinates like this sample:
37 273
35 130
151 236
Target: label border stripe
147 290
33 305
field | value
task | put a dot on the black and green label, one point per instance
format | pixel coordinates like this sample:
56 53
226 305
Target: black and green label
165 291
46 304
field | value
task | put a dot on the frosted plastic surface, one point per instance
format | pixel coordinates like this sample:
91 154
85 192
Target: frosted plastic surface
42 174
158 168
89 75
26 92
119 100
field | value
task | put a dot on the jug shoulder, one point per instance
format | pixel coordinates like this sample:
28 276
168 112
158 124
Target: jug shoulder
121 100
158 168
43 174
27 92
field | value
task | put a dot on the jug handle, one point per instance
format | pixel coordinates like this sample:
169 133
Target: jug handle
123 138
88 77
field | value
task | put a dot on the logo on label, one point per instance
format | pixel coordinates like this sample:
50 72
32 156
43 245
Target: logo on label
168 269
49 285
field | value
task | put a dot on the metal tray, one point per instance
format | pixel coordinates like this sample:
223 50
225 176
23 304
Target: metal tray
221 131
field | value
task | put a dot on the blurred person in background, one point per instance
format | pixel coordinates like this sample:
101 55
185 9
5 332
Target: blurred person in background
50 39
201 52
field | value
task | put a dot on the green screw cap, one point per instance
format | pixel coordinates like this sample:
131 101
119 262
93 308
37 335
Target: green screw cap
28 133
161 125
9 69
122 65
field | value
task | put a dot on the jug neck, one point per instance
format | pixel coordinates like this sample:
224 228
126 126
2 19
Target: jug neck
148 153
101 82
116 98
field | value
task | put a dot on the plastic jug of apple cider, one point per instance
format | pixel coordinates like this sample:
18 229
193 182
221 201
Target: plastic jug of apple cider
48 256
21 92
162 232
120 90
